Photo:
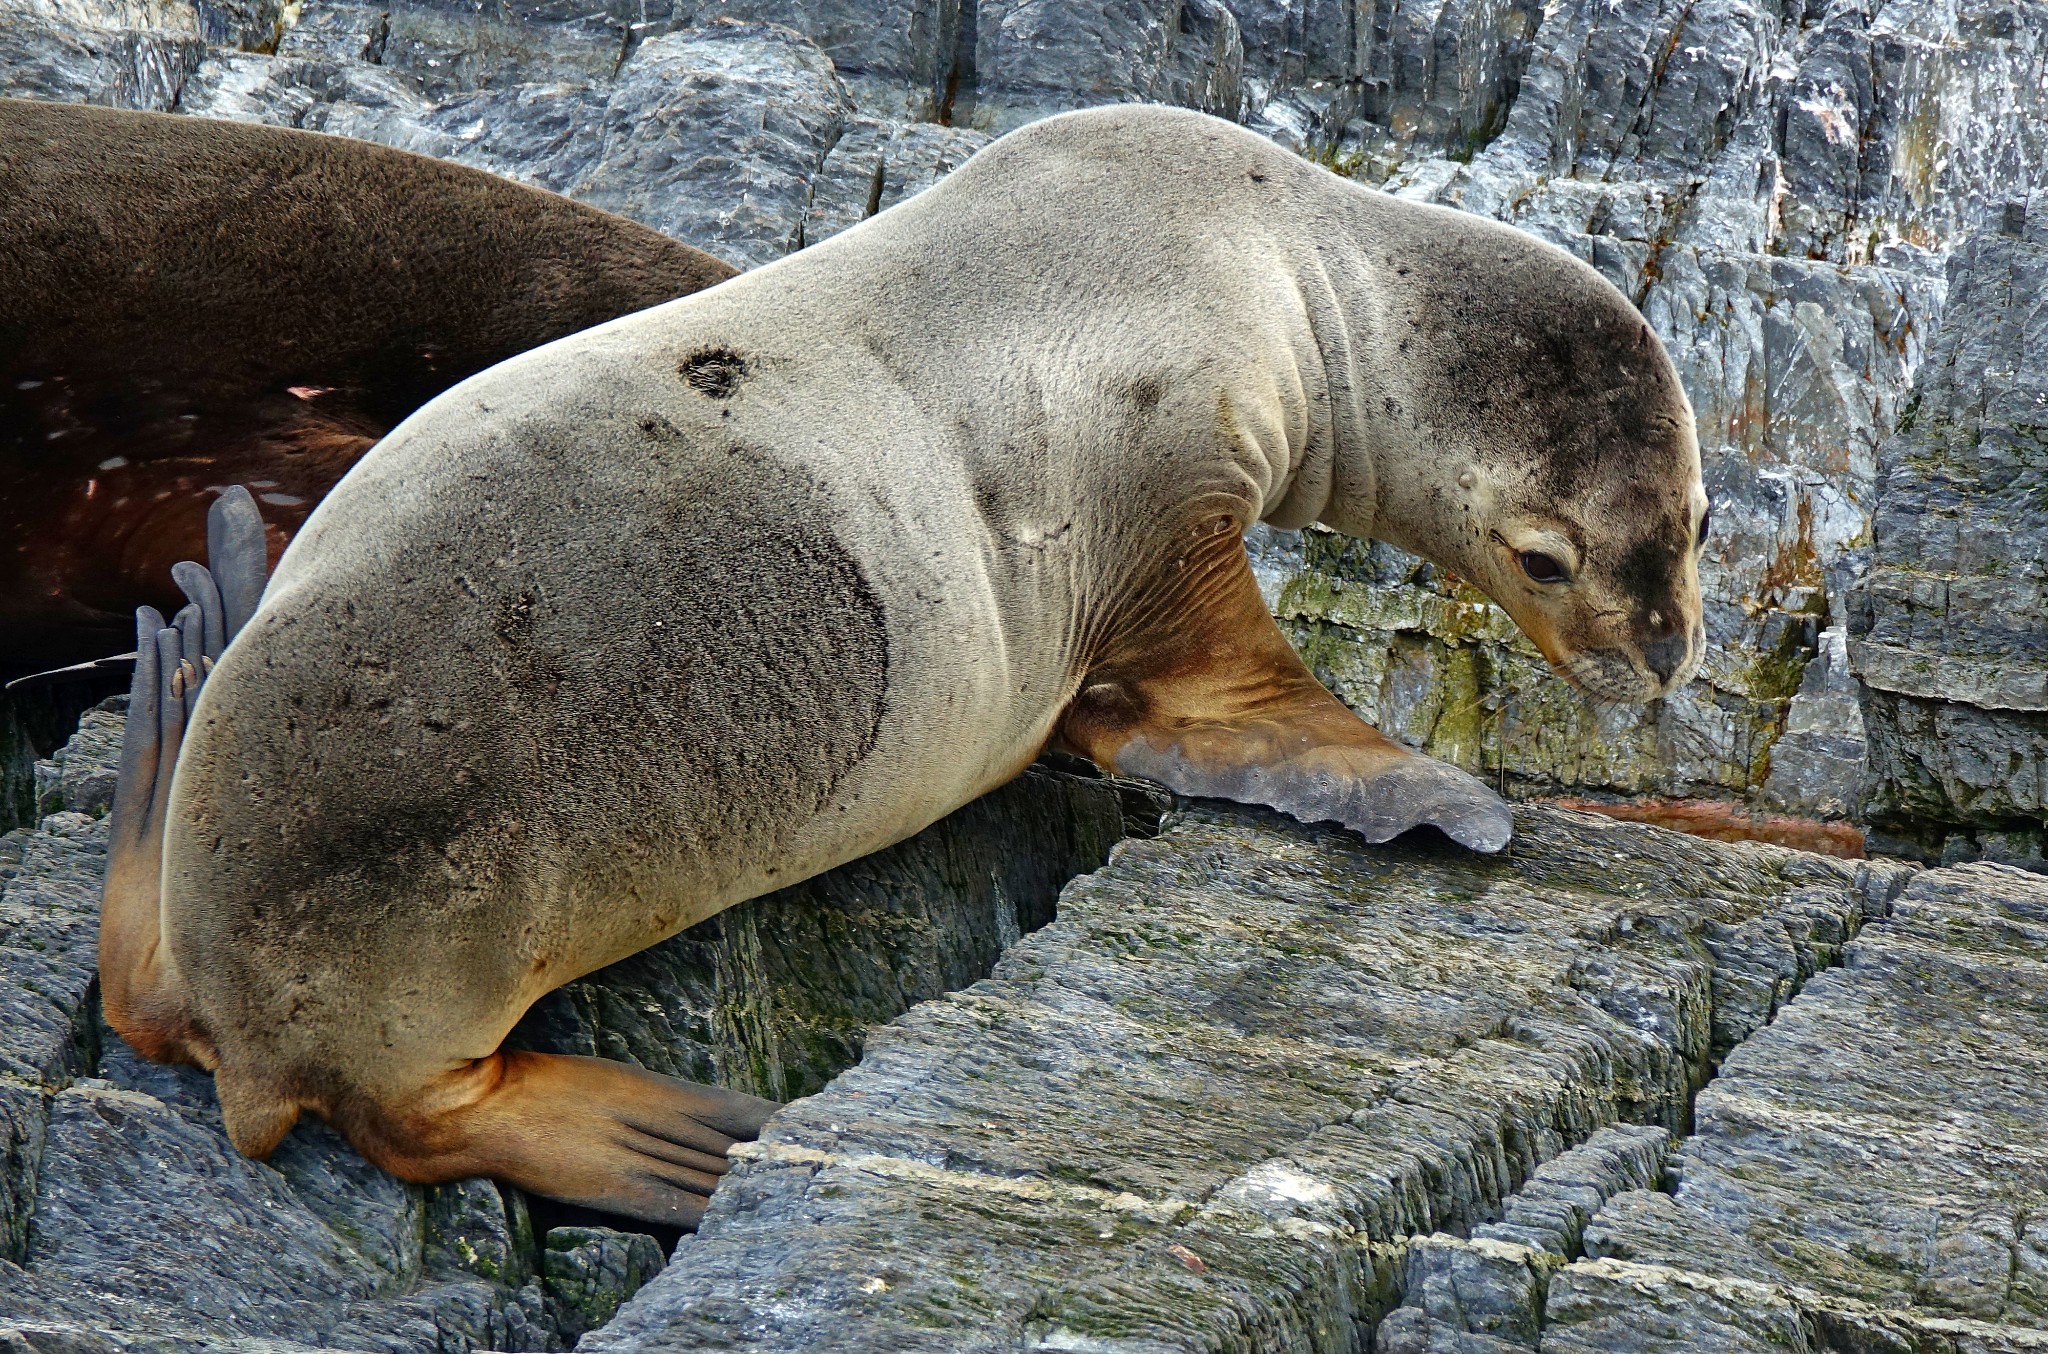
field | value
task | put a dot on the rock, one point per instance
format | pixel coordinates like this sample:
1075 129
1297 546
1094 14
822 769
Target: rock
46 56
1550 1212
776 997
1211 1102
710 135
903 57
1870 1143
35 720
80 775
1034 57
1867 1173
877 164
1949 633
127 1220
591 1270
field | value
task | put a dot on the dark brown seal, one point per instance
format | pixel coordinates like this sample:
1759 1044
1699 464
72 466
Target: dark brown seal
187 304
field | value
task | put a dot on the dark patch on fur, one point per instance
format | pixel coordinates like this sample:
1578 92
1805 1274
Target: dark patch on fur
1648 573
715 373
1536 355
534 705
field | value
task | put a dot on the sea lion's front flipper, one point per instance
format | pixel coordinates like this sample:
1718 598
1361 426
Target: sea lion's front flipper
583 1130
1199 691
172 662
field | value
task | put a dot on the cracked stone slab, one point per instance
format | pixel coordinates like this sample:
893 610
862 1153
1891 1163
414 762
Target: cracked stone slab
1867 1173
1208 1104
1885 1139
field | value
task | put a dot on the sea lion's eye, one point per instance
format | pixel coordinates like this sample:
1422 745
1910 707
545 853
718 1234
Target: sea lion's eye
1706 517
1540 567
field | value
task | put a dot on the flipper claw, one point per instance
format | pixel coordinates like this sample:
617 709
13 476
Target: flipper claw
190 624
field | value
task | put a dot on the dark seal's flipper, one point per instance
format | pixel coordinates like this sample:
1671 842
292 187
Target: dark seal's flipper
1199 691
172 662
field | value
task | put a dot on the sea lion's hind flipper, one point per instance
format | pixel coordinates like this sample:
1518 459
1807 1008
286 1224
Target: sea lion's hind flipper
237 555
132 987
583 1130
1202 693
172 662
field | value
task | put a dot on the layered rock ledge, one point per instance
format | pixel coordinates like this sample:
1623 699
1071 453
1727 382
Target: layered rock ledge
1262 1088
1256 1087
1949 632
1218 1101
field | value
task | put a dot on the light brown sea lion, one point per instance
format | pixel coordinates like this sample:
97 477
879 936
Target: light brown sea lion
709 599
187 304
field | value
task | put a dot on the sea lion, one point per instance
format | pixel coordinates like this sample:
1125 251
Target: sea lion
709 599
186 304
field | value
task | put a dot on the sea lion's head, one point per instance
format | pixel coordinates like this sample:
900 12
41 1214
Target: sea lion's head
1546 453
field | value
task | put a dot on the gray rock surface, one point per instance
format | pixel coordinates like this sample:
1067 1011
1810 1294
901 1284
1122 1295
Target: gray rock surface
1209 1105
1257 1086
1949 632
876 164
127 1218
1866 1173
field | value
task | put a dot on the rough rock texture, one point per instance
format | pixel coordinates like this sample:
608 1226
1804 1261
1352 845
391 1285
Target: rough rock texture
1204 1107
1867 1173
32 722
1949 632
777 996
124 1211
1256 1087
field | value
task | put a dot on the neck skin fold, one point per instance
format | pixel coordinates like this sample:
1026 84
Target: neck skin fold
1367 469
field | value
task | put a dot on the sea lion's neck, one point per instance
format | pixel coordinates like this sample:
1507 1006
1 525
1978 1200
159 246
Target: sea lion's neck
1385 477
1325 468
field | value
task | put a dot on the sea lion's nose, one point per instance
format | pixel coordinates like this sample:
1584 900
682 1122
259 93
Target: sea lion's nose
1665 656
